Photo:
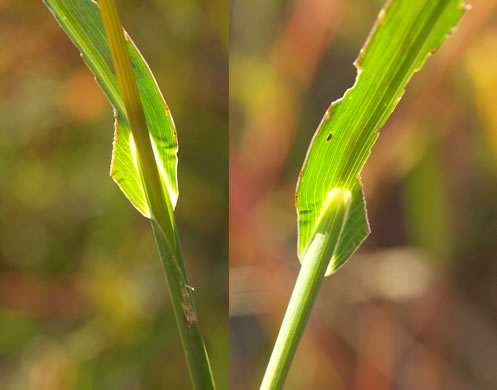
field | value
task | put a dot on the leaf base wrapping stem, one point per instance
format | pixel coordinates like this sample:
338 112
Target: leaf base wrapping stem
306 288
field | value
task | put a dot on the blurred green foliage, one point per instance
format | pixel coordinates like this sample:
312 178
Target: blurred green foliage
83 301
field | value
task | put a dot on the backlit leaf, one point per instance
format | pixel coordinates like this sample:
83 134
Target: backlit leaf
405 34
82 22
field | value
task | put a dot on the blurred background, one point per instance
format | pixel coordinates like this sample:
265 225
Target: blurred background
83 299
415 308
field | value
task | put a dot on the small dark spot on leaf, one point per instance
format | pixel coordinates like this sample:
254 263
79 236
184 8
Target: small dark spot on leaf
330 136
434 50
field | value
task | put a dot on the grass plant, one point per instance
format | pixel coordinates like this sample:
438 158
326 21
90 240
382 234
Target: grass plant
144 157
332 217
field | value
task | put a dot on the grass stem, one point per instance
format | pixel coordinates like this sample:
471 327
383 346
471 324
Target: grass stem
304 295
162 217
309 280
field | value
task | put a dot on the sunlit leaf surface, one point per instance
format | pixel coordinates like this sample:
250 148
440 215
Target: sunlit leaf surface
82 22
405 34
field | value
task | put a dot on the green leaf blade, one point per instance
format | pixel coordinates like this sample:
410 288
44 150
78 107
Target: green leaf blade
404 36
82 22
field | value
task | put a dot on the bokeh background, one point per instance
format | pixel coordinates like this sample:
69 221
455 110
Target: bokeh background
83 299
415 308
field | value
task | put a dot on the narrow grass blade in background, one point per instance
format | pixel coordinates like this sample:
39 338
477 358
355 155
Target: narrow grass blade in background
403 37
144 157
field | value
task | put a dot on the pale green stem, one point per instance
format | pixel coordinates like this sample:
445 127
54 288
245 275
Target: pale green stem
304 294
309 280
162 217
